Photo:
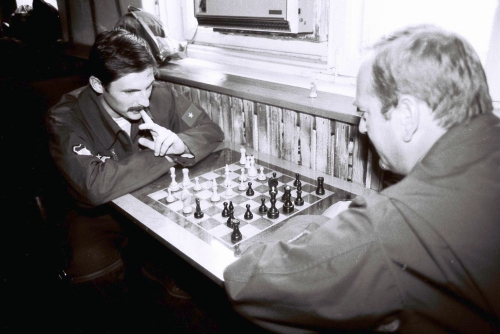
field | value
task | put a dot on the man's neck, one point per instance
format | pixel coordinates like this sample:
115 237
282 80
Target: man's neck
107 107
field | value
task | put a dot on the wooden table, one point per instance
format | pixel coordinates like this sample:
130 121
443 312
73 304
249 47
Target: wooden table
211 255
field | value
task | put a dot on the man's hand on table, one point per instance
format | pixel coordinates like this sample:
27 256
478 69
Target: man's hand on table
336 208
165 141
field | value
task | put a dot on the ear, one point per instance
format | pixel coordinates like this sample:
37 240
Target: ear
409 116
96 85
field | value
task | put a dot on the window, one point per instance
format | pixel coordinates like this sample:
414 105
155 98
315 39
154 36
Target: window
344 29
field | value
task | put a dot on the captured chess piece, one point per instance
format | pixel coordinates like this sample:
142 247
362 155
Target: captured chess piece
273 212
250 191
248 214
288 205
263 207
236 235
297 180
198 213
320 190
225 211
243 159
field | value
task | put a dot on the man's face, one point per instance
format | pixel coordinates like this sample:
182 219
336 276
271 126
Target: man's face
127 96
381 131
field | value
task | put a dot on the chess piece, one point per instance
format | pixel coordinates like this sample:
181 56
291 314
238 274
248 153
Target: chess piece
185 181
243 177
263 207
243 159
230 219
198 214
227 181
229 191
288 205
173 185
242 186
247 162
261 176
225 211
231 206
297 179
273 182
299 201
273 212
248 214
170 197
252 171
313 93
287 194
320 190
215 196
197 186
236 235
250 191
186 200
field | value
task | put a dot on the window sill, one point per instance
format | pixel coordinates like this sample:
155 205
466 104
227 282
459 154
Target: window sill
333 101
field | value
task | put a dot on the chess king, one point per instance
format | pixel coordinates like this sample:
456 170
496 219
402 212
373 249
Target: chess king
421 256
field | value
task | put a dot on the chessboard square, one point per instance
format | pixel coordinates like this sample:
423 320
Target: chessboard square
175 206
308 188
206 185
249 230
238 210
158 195
203 194
254 203
238 199
227 238
270 174
242 219
220 230
219 218
195 220
204 205
261 223
210 176
261 188
310 198
235 167
212 211
234 175
285 178
209 223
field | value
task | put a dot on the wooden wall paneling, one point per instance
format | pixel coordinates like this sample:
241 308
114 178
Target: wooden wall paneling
306 123
227 116
313 149
205 102
290 136
215 110
275 131
263 125
342 135
323 134
359 156
238 131
255 131
248 112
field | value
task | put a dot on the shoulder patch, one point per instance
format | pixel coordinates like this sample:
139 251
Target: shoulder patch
191 115
81 150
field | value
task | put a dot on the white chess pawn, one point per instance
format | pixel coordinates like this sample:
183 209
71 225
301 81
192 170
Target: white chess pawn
243 159
252 171
227 181
215 196
229 191
173 185
186 200
170 197
242 186
243 177
186 182
197 186
247 162
261 176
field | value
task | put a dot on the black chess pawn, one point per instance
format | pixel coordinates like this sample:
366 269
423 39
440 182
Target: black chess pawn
288 205
230 220
225 211
299 201
250 191
263 207
248 213
320 190
198 214
236 235
272 182
273 212
297 180
231 206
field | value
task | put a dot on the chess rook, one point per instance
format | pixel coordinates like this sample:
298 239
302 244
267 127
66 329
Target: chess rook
320 190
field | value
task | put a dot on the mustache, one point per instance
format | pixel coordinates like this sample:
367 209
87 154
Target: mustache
139 108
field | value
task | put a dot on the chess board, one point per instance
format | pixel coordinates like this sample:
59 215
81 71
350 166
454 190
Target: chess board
214 225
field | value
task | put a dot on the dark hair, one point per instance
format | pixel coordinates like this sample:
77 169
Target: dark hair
117 53
438 67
